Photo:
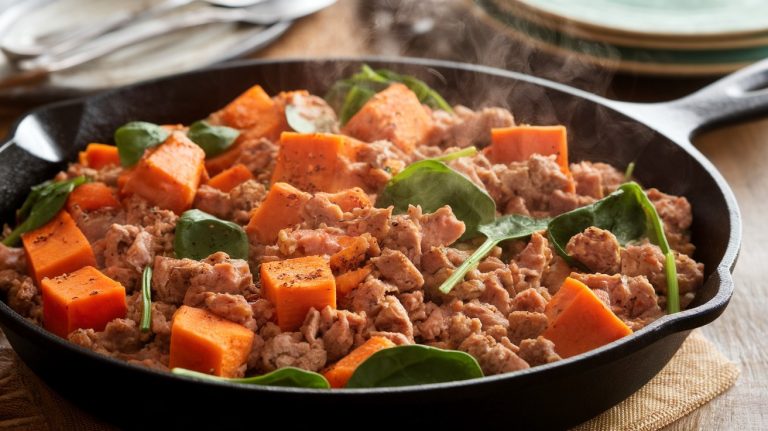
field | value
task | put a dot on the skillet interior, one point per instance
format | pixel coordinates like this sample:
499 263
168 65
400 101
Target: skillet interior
576 389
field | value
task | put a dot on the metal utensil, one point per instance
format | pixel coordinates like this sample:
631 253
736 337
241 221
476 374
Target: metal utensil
58 42
36 69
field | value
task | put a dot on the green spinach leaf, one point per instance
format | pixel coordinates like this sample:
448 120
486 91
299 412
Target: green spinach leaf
432 185
133 138
199 234
347 96
287 376
146 299
43 203
465 152
503 228
214 140
629 215
414 364
297 122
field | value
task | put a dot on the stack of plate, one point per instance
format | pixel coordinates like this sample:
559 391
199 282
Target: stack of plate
660 37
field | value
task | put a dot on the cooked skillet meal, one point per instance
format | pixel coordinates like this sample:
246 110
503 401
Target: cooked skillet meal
375 237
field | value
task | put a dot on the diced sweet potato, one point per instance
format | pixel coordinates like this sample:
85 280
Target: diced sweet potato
519 143
225 160
349 199
85 298
92 196
280 209
204 342
339 373
352 254
231 178
56 248
314 162
348 281
394 114
248 109
97 156
296 285
169 174
579 321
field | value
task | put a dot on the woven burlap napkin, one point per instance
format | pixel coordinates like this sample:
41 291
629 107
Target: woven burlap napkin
696 374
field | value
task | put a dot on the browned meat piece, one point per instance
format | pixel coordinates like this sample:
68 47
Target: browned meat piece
529 300
235 205
186 281
161 224
119 336
460 327
368 220
107 174
308 242
392 317
466 127
95 224
404 236
230 307
538 351
596 248
493 357
562 202
339 330
495 293
259 156
126 251
434 325
395 267
690 274
531 263
22 295
367 297
488 315
414 305
676 214
290 350
312 109
632 299
441 228
263 310
555 274
645 259
525 324
588 180
320 211
12 258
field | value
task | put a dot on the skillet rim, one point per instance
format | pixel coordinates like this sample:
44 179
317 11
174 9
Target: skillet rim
654 332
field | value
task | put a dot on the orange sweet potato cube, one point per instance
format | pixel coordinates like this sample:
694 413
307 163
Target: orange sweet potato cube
230 178
349 199
280 209
97 156
85 298
394 114
314 161
204 342
296 285
339 373
56 248
579 321
169 174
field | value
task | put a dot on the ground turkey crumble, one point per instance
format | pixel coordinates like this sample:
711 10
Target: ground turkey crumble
496 314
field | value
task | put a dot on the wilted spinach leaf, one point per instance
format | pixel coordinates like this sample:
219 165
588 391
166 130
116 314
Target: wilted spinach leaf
629 215
503 228
43 203
199 234
414 364
214 140
133 138
432 185
347 96
146 299
287 376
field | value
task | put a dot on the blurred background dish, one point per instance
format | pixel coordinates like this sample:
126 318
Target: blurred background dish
172 53
677 38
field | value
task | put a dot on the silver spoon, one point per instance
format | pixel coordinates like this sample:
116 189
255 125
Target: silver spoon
64 40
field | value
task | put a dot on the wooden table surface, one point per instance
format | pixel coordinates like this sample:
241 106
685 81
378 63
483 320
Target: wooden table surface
390 27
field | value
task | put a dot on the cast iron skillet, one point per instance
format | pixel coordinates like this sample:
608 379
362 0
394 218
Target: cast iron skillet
655 136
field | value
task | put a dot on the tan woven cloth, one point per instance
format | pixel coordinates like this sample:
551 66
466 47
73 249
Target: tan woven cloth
696 374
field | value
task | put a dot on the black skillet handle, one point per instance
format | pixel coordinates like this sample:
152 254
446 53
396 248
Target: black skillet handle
739 96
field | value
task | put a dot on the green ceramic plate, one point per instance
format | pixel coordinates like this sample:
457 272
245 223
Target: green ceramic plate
642 60
669 18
